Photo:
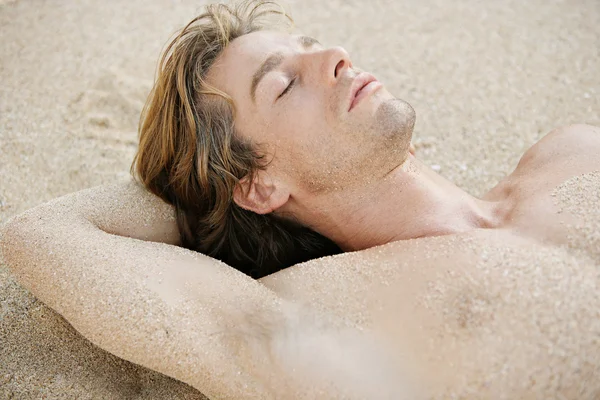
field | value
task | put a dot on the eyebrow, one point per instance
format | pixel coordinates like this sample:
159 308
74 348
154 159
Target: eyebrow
274 61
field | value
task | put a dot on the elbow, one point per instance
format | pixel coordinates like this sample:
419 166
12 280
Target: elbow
25 252
20 240
13 241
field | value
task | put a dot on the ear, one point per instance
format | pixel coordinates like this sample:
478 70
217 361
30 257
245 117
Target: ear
261 195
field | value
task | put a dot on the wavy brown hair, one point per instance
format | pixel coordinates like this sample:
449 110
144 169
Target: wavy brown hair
190 155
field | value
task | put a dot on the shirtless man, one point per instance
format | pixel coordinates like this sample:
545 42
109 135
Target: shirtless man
462 297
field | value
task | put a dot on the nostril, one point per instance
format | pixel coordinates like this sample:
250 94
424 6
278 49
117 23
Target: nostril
339 66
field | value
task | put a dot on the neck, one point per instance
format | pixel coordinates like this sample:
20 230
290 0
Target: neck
410 202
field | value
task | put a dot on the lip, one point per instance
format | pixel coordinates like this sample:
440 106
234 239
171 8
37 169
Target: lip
360 81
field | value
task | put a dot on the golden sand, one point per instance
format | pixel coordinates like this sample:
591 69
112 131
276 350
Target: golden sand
487 79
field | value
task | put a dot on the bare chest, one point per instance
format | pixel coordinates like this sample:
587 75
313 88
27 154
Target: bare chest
486 313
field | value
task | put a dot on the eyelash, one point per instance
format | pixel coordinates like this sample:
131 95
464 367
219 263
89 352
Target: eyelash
287 89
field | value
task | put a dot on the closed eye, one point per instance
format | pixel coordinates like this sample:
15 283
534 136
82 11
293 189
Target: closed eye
287 89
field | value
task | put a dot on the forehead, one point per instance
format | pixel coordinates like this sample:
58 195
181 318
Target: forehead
256 46
233 69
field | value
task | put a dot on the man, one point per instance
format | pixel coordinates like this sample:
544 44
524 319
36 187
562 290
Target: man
468 298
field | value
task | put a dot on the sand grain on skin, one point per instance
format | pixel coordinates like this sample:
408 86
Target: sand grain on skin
580 196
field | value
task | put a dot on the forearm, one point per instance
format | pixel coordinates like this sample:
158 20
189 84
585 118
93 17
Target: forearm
124 209
157 305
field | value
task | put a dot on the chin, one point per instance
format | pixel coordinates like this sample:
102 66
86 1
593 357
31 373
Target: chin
395 120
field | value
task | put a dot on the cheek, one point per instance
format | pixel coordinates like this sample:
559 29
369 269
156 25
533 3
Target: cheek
301 125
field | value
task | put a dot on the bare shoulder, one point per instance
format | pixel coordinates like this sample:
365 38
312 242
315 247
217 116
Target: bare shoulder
568 150
553 189
562 154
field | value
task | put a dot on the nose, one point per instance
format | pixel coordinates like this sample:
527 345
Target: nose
337 63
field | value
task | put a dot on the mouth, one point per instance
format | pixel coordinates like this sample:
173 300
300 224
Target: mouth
363 84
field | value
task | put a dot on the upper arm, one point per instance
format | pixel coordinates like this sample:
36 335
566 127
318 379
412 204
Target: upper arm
161 306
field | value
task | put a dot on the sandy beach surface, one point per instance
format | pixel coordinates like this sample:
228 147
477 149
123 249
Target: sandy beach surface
486 78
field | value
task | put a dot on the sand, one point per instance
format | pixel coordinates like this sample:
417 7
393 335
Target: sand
487 79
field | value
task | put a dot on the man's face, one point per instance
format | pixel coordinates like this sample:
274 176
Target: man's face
293 98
